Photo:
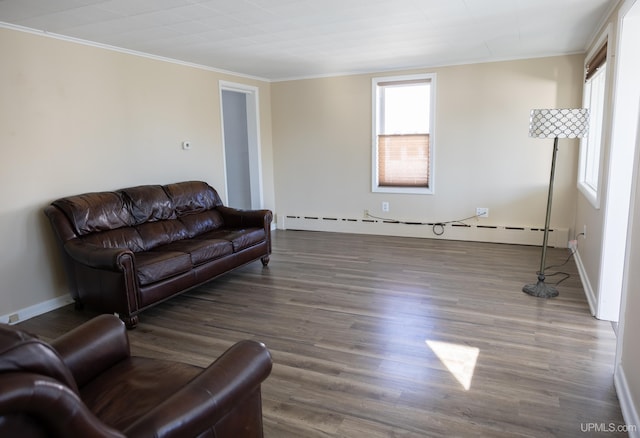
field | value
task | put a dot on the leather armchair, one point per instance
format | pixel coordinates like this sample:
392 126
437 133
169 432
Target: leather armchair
86 383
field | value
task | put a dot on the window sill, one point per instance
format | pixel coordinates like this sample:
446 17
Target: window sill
403 190
590 194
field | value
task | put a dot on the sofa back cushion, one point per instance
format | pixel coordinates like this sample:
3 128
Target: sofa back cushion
127 237
149 203
95 212
199 223
192 197
143 217
22 352
158 233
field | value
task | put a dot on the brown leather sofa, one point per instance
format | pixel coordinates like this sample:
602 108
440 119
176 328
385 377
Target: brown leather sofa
86 384
127 250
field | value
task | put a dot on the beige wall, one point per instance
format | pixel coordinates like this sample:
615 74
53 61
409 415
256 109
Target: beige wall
484 158
76 118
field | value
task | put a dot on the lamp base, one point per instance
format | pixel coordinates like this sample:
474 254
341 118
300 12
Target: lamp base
540 289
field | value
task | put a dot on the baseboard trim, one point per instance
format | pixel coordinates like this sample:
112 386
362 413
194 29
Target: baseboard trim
586 284
629 412
35 310
472 231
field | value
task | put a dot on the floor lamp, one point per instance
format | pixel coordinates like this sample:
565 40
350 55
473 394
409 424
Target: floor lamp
553 123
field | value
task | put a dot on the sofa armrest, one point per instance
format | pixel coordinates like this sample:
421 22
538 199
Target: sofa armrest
92 347
113 259
53 407
220 388
236 218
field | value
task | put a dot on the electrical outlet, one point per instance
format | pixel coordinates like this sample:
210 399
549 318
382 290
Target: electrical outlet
385 207
14 318
366 213
482 212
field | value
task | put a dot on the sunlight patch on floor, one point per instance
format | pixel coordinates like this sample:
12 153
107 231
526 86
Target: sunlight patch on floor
459 359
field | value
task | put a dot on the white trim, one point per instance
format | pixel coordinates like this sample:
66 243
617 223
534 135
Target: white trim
240 88
622 153
593 194
37 309
432 77
472 232
399 70
584 278
403 190
56 36
627 406
603 21
255 147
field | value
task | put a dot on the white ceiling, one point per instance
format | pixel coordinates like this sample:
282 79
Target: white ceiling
284 39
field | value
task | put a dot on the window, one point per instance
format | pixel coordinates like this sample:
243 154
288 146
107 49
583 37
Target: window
403 115
591 145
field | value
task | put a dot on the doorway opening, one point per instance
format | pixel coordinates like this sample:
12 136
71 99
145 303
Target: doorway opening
241 145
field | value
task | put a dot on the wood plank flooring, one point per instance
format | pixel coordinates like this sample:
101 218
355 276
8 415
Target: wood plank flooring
377 336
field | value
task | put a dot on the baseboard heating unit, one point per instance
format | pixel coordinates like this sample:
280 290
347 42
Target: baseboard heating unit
469 231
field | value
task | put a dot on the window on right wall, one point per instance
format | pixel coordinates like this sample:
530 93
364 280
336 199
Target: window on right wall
594 97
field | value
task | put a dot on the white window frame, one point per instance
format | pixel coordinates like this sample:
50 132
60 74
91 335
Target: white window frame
592 190
432 112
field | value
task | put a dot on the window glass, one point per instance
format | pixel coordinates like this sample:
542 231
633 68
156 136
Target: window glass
591 145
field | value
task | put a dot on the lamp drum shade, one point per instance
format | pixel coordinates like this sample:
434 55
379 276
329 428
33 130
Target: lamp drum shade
559 123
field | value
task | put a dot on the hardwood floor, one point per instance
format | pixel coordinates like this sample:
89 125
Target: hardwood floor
397 337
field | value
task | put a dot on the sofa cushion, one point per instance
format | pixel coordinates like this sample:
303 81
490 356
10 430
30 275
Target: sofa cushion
127 237
149 203
152 266
93 212
154 234
133 387
204 222
239 238
201 250
192 197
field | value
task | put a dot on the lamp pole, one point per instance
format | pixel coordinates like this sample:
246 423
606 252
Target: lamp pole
541 289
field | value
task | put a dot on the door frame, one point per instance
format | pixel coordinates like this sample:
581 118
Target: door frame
630 10
253 135
620 173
